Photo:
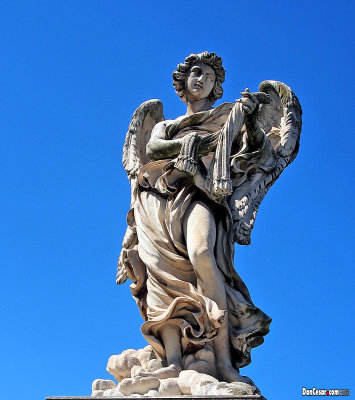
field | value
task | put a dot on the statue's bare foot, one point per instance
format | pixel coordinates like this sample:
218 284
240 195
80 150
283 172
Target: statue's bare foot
228 374
172 371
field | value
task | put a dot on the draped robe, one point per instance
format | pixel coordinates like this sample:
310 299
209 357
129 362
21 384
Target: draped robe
165 287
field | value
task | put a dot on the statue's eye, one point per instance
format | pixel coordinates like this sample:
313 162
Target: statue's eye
196 71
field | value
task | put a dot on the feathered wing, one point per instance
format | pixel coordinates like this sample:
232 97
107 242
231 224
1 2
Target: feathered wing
281 121
143 120
134 157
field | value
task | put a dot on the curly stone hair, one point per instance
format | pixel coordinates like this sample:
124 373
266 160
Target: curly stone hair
211 59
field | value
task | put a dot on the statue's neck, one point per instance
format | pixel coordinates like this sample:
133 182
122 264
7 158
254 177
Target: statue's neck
194 107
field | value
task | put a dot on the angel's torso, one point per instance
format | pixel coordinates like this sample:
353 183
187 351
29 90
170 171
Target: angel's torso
204 122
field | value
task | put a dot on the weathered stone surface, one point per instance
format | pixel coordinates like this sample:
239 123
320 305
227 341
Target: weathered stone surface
120 365
202 361
152 393
203 388
154 365
103 384
190 381
234 389
131 362
169 387
138 385
97 393
153 396
136 370
145 356
112 393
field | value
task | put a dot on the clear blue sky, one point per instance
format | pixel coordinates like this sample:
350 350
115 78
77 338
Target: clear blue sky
71 75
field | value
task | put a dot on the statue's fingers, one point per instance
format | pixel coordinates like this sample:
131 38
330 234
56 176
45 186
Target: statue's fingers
254 98
248 102
245 94
247 109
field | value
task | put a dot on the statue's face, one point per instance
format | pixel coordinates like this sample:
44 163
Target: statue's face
199 81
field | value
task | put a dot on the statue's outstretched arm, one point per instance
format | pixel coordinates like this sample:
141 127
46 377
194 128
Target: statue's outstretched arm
256 135
250 104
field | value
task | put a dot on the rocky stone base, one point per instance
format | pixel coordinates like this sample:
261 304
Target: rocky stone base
244 397
132 370
189 383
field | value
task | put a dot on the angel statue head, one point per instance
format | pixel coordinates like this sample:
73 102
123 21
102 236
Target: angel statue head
186 76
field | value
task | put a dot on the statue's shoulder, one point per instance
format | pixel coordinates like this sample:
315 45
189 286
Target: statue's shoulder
163 125
168 123
176 120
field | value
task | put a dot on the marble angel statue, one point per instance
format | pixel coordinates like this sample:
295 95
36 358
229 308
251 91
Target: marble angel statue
197 182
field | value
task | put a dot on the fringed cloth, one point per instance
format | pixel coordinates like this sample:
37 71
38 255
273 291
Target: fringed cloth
218 182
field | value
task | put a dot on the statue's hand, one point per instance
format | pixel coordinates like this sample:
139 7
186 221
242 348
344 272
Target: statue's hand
249 101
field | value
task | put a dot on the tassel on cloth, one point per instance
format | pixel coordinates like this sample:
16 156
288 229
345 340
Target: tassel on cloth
218 181
188 157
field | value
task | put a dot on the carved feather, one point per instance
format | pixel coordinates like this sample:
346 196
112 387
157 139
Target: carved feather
139 131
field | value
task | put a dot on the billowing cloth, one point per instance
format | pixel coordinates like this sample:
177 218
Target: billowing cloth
165 289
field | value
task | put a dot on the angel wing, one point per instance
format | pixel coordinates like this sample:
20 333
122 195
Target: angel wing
134 157
281 121
143 120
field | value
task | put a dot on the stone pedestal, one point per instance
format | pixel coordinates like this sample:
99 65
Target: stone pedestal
241 397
